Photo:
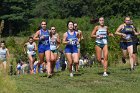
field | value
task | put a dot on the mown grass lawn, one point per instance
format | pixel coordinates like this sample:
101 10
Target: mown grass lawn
90 80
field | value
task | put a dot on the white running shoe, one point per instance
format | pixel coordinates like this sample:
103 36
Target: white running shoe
105 74
71 74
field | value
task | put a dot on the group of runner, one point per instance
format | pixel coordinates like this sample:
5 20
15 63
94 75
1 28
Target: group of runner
128 42
49 43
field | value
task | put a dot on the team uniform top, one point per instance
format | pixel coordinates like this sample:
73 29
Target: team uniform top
44 44
30 49
53 42
44 41
71 47
102 31
128 30
3 53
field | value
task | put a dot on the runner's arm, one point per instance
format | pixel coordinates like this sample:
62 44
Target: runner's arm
93 34
36 36
135 32
118 31
82 37
64 39
35 46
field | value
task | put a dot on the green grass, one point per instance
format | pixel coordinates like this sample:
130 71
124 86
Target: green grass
120 80
7 85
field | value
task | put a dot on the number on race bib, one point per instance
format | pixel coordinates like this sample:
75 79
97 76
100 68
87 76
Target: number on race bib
45 42
53 43
73 42
128 37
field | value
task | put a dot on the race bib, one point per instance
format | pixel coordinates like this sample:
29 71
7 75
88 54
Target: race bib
103 36
46 42
72 42
53 43
30 49
128 37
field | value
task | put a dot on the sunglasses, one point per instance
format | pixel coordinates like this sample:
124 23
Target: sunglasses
43 24
53 29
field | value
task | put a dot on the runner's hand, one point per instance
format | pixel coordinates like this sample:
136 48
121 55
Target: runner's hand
123 35
98 36
77 43
42 37
111 35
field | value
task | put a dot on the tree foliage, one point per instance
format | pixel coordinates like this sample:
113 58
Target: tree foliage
78 8
16 13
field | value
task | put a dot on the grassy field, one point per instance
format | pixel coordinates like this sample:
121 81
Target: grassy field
89 80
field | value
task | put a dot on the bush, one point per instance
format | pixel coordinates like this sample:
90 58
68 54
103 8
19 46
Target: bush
87 45
7 85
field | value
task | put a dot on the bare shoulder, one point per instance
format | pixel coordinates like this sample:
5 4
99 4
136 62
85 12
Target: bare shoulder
34 43
26 43
76 32
132 26
79 31
38 31
122 25
65 34
6 49
96 27
57 34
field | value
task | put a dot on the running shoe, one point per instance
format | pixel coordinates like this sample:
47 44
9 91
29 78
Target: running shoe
49 76
105 74
71 74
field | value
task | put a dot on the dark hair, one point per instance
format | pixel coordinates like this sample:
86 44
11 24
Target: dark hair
77 26
101 17
94 20
44 21
30 37
39 27
2 42
69 22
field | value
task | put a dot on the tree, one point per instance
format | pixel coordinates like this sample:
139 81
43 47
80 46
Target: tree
78 8
16 14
